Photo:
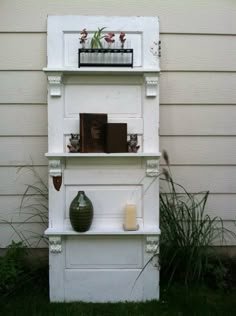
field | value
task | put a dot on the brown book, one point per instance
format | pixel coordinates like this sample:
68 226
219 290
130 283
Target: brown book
116 138
92 132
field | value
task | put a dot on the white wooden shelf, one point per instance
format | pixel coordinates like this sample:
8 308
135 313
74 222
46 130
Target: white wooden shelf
71 232
84 266
102 70
103 155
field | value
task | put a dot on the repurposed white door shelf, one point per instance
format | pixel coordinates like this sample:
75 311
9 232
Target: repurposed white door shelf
107 263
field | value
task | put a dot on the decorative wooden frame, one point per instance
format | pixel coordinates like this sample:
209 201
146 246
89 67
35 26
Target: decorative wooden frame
72 276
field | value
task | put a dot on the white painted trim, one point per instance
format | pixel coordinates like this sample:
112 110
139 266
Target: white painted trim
102 232
103 155
101 70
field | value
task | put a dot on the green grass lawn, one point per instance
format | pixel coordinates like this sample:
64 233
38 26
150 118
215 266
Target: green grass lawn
33 300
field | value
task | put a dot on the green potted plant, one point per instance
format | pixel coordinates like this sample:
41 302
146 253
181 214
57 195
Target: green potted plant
95 54
96 41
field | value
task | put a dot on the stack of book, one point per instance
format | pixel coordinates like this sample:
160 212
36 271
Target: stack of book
97 135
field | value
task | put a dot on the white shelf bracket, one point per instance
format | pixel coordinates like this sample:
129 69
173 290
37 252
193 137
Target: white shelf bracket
152 244
55 81
151 83
152 168
55 244
55 168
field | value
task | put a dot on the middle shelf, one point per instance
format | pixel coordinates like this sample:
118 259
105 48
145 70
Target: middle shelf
103 155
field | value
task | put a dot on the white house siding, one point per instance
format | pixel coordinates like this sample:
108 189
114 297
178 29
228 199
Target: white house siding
198 95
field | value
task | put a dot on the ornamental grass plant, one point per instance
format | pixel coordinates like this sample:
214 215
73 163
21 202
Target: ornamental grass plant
34 209
23 260
34 205
188 234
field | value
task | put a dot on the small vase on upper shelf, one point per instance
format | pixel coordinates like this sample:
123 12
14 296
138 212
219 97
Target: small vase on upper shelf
81 212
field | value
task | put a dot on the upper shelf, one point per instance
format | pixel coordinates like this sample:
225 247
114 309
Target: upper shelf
102 70
55 75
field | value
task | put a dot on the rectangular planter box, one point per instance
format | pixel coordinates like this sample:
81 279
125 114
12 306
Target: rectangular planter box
99 57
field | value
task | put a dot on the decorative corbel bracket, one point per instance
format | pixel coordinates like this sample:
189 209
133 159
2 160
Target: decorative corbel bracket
151 83
54 81
55 171
152 244
55 244
152 169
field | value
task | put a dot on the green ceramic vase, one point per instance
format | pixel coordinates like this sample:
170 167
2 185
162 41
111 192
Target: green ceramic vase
81 212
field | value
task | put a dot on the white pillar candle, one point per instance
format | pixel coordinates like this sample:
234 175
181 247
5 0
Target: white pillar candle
130 217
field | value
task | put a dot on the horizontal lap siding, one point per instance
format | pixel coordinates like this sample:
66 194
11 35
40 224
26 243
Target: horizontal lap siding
19 151
12 187
23 87
12 211
200 150
15 179
216 179
32 233
197 95
198 120
188 52
198 88
184 16
175 87
23 51
181 52
31 120
222 205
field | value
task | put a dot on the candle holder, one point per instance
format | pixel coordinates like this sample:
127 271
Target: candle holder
130 223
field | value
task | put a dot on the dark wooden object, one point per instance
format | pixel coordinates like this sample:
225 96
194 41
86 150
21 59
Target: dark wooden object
116 138
92 132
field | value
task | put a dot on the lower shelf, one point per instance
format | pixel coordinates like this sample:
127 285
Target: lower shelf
105 231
